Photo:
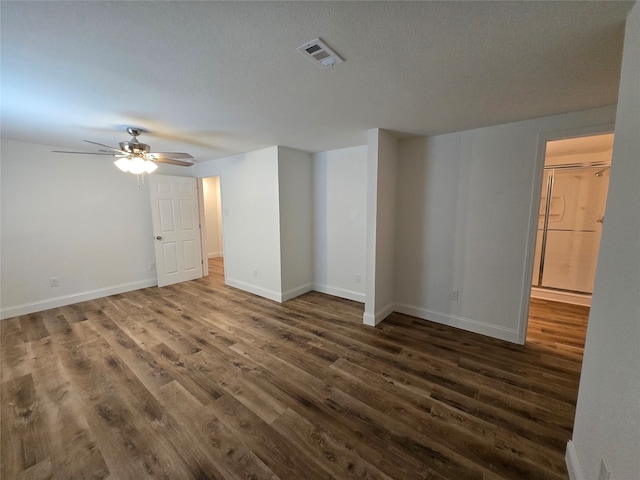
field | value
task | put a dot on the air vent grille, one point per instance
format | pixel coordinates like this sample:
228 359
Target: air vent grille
321 55
313 48
318 51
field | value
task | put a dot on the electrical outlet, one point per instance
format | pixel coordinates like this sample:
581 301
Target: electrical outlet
152 266
605 474
454 294
54 282
358 278
255 272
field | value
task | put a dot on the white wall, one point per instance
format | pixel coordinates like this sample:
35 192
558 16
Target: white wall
250 220
467 210
212 216
295 171
340 235
607 422
286 188
73 217
382 165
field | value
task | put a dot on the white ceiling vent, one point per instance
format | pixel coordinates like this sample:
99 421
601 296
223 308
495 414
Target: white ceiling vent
318 51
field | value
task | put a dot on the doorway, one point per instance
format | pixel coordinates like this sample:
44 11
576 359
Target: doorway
212 203
570 220
572 205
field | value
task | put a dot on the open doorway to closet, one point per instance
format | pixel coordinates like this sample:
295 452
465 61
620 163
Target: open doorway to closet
213 244
571 216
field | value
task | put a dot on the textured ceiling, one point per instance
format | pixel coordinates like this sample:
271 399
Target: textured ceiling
216 78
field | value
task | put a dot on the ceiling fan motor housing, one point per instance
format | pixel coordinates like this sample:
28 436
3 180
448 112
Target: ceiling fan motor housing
135 148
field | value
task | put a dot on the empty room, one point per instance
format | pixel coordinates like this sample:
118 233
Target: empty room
320 240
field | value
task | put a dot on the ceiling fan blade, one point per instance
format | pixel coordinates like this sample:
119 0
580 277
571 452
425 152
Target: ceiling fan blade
103 145
84 153
174 162
171 155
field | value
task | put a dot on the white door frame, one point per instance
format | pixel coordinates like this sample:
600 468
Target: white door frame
203 228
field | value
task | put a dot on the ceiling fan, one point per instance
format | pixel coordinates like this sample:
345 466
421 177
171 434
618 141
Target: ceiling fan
136 157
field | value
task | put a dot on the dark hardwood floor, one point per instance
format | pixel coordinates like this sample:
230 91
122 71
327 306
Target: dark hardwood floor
203 381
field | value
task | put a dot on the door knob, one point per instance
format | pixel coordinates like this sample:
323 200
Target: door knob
159 237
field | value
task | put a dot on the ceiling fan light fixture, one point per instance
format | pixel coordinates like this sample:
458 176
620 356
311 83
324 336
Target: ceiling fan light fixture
150 166
122 164
135 165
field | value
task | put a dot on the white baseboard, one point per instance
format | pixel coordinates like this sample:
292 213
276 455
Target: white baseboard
373 319
559 296
214 254
294 292
255 289
573 466
339 292
467 324
27 308
369 319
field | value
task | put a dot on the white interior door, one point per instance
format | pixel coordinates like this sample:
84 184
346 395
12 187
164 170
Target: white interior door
176 228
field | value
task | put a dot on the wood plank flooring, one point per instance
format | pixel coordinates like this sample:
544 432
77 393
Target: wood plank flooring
203 381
